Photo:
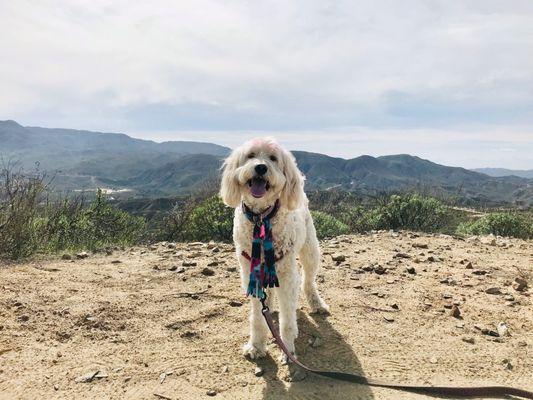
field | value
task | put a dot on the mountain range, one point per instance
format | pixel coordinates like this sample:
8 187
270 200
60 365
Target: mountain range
84 160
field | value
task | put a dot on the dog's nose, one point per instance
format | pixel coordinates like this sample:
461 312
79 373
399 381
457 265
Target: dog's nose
261 169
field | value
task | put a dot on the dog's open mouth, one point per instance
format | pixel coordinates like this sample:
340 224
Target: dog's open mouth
258 186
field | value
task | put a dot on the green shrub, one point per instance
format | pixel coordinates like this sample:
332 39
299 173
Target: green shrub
328 226
510 224
30 223
412 212
211 220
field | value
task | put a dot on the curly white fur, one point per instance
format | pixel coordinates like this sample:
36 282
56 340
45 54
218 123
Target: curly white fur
293 231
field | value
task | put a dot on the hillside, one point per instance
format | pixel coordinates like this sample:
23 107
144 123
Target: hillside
84 160
156 322
522 173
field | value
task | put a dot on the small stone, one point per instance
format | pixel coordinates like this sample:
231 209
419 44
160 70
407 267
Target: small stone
411 270
420 245
24 318
180 270
388 319
446 296
338 257
212 264
469 265
317 342
211 393
520 284
234 303
66 256
469 340
379 270
455 312
479 272
433 259
258 371
502 329
224 369
208 272
402 255
116 262
368 268
56 387
189 264
433 360
509 297
493 290
82 255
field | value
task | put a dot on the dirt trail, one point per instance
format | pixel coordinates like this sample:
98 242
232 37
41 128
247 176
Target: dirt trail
159 323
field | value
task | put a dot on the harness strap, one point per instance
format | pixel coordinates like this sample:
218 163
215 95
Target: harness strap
463 392
249 258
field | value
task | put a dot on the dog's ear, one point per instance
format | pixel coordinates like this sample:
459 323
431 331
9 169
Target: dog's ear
229 187
293 194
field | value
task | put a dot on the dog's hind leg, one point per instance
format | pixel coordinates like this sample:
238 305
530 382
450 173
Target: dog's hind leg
310 260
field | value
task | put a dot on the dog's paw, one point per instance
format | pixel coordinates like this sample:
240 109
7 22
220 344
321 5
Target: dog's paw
252 352
322 309
284 359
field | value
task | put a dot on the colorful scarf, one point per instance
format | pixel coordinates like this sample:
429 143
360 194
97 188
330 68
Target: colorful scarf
262 274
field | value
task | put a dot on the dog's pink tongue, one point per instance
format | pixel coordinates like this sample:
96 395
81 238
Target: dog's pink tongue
258 187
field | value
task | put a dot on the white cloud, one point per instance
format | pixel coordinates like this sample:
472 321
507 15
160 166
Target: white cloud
286 66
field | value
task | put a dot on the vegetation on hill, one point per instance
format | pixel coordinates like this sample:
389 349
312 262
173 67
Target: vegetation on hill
31 223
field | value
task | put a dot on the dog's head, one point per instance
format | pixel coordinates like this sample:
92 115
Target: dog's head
260 172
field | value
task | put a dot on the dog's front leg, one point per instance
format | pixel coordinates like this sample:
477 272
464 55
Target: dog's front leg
256 346
288 291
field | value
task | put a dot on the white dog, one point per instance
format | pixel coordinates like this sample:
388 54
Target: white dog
258 174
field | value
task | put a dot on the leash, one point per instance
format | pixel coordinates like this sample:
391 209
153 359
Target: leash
462 392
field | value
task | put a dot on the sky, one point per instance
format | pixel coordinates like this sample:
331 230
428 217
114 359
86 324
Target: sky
450 80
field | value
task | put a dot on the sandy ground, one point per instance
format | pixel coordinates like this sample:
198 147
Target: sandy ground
151 323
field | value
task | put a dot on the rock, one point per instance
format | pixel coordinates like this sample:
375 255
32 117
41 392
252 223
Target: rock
211 393
316 342
208 272
502 328
215 250
446 296
234 303
507 365
469 265
66 256
116 262
180 270
368 268
224 369
455 312
433 360
258 371
24 318
338 257
493 290
402 255
231 269
189 263
379 269
520 284
420 245
468 339
82 255
213 264
433 259
509 297
388 319
479 272
411 270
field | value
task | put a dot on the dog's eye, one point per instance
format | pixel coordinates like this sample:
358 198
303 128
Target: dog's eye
274 158
251 155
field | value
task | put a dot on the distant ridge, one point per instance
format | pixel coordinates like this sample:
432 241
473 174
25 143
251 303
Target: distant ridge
85 160
499 172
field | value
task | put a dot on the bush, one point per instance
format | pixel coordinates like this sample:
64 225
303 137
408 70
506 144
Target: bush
412 212
211 220
30 223
328 226
510 224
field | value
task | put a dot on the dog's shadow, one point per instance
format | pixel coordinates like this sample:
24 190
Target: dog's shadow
329 352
